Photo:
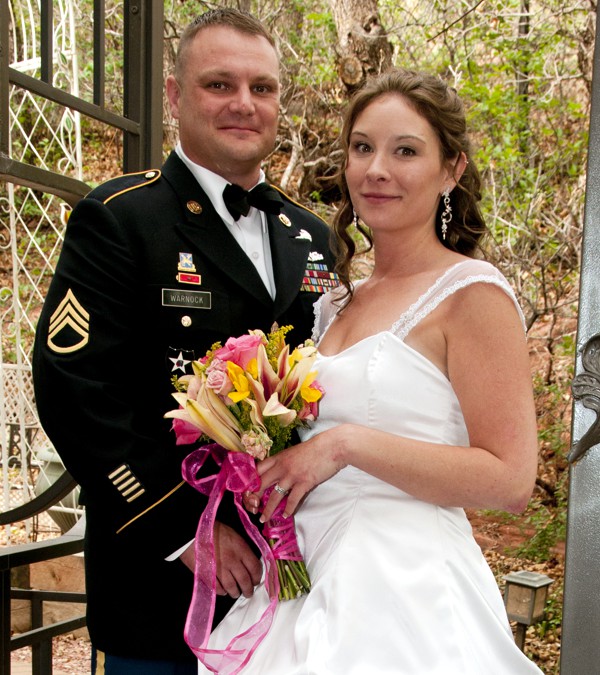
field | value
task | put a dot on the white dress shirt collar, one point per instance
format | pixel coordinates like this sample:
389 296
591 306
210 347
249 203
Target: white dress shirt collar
249 231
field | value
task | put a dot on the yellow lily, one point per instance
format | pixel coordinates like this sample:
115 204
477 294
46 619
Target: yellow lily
239 381
308 393
290 386
252 368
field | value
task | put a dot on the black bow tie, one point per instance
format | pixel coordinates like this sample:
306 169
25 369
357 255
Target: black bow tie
263 197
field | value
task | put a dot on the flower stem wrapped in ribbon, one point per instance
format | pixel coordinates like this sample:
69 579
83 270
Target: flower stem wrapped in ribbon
246 396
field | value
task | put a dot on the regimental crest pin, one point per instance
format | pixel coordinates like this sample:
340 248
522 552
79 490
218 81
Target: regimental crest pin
285 220
186 263
69 327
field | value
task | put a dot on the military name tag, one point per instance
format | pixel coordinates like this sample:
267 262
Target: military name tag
172 297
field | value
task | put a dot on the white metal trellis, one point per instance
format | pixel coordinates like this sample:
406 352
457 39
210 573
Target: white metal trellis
31 231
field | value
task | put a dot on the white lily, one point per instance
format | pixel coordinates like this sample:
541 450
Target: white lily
275 408
211 416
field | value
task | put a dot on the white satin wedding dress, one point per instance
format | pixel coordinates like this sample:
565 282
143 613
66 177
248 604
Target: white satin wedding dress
399 585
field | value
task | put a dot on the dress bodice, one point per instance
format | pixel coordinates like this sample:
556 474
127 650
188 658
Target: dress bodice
384 383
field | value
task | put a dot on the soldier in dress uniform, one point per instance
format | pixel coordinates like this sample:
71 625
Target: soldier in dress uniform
156 267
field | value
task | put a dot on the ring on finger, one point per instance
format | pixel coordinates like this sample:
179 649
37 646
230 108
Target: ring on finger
280 490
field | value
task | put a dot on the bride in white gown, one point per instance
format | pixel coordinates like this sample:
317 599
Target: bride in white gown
428 410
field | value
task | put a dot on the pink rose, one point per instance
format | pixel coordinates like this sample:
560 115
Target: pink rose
240 350
193 385
217 378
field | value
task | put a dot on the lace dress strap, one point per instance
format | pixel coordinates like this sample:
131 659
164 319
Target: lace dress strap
324 314
459 276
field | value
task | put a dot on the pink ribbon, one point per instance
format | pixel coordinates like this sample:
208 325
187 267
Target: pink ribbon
282 531
237 474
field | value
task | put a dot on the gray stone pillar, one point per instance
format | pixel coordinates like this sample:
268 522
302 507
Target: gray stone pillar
580 651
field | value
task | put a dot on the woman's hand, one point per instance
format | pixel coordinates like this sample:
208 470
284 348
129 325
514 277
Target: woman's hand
297 470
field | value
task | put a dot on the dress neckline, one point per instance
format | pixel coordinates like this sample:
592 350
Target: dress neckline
406 313
352 346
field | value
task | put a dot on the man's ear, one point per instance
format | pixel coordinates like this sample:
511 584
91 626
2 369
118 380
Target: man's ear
173 94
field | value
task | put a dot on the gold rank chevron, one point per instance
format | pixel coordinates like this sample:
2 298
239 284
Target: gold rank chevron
69 313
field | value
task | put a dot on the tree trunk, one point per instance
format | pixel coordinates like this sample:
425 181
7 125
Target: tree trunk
363 48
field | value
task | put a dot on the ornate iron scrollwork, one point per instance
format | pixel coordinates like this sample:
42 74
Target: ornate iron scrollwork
586 388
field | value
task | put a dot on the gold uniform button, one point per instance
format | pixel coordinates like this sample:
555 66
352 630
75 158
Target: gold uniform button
194 207
150 174
186 321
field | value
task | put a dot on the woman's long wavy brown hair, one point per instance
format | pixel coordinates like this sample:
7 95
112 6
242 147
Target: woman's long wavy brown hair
441 106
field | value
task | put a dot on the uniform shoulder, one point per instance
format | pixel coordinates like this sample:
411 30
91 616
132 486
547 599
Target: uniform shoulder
115 187
293 202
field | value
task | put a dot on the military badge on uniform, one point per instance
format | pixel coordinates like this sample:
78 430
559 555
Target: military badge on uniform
318 278
179 360
194 207
186 263
69 327
177 297
184 278
304 235
126 483
186 270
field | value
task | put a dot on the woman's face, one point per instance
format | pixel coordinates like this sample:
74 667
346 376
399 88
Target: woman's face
395 172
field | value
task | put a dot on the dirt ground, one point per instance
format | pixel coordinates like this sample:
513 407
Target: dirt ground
497 539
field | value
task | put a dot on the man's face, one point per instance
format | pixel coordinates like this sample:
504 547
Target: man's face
227 102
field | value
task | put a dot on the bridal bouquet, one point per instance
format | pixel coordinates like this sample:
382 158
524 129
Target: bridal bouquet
246 397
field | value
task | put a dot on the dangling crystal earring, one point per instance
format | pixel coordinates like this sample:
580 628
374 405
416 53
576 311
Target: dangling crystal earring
355 218
446 213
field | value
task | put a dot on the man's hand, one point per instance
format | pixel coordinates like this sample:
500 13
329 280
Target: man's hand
238 569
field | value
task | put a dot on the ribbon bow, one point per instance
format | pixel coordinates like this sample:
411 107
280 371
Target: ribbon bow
237 474
263 197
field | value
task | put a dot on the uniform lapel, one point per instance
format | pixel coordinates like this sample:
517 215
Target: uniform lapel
206 232
290 247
